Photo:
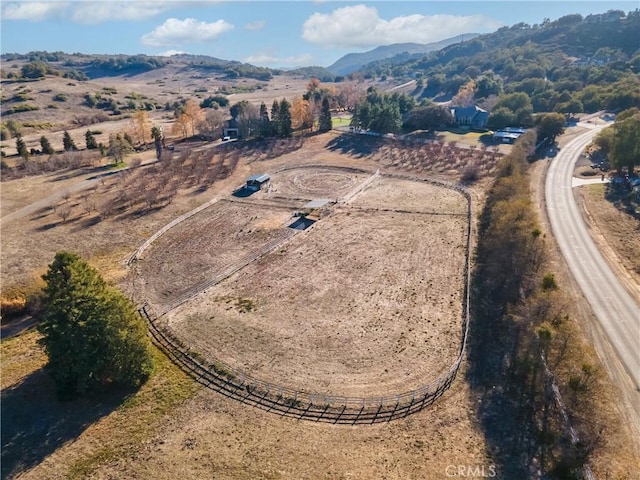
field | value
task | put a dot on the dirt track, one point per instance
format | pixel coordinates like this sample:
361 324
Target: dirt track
366 302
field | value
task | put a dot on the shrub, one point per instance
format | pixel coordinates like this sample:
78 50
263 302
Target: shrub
22 107
60 97
549 282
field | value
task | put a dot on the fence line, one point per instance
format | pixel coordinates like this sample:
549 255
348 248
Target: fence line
168 226
350 195
285 401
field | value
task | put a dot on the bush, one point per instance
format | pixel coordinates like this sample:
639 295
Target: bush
22 107
549 282
470 174
60 97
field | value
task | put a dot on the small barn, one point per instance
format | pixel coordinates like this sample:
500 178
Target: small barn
256 182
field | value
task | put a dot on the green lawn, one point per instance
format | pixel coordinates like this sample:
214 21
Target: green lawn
340 121
470 138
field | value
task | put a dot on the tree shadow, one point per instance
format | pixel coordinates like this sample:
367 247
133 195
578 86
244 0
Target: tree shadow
356 145
35 423
87 223
47 226
492 344
502 420
619 193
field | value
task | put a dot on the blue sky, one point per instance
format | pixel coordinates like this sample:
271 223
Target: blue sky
265 33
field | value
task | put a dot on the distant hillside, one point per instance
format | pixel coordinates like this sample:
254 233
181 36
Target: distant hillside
90 66
321 73
353 61
569 65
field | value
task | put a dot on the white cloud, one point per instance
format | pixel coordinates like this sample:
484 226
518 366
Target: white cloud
361 26
98 12
33 11
257 25
269 59
94 11
175 32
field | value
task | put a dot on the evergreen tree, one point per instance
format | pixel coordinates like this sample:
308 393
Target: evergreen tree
325 123
284 119
549 126
265 123
156 134
625 145
67 142
92 144
21 146
275 119
379 112
46 146
91 333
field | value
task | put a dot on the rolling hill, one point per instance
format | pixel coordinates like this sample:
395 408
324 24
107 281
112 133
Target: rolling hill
403 51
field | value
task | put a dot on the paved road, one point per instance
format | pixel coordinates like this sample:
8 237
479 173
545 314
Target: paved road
614 307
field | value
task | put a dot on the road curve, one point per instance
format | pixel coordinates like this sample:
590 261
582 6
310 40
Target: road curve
614 307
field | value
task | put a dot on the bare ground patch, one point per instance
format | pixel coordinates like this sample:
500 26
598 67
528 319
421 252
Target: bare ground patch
363 303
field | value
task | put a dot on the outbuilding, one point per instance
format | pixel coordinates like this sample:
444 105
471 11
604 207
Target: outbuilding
256 182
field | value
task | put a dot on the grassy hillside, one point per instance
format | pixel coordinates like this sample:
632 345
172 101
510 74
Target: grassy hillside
572 64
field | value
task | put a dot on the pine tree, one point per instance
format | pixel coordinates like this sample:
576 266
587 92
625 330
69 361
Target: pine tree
265 123
157 135
284 119
325 122
91 333
67 142
46 146
275 119
91 140
21 146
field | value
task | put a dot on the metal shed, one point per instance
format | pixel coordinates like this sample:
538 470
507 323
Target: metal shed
256 182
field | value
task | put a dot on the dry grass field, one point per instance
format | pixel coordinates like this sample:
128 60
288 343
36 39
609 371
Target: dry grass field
365 301
251 443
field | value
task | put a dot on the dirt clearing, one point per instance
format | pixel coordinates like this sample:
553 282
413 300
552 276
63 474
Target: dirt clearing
366 302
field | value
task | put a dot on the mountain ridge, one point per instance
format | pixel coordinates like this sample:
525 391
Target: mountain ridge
352 62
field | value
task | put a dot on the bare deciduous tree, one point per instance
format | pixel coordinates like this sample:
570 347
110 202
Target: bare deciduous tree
63 212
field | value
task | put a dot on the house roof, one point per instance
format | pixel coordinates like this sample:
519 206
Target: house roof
259 178
477 114
468 111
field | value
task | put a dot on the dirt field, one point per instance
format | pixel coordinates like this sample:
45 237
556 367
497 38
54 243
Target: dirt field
323 313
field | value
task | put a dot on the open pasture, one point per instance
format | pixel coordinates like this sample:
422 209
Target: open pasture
366 302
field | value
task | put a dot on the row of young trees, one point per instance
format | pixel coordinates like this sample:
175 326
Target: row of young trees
140 132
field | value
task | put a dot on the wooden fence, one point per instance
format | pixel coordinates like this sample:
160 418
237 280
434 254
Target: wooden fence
305 405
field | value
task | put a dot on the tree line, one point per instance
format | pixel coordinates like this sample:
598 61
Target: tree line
521 340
